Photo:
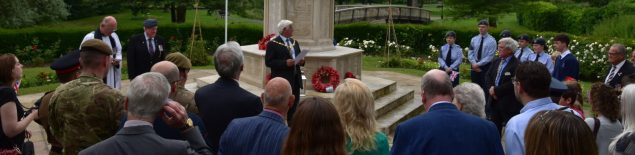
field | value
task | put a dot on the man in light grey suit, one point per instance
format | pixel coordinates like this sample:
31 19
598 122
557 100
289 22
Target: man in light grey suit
147 98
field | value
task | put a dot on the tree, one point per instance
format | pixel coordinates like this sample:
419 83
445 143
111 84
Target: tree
21 13
489 9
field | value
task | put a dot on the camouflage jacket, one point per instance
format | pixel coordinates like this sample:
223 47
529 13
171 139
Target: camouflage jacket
186 98
84 112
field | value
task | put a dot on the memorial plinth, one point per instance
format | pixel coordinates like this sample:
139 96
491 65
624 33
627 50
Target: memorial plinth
343 59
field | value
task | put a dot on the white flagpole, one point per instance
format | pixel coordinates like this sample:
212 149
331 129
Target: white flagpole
226 13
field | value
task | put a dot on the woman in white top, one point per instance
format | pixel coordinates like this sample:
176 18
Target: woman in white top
606 109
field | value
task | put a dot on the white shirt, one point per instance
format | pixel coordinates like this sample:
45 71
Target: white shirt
113 79
614 71
288 43
565 53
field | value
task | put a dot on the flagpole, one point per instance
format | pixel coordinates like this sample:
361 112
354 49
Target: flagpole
226 13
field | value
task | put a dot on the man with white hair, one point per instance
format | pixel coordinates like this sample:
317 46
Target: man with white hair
224 100
498 81
470 98
148 98
280 55
106 33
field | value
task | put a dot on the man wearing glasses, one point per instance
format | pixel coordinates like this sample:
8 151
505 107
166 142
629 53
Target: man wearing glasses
106 33
531 86
619 66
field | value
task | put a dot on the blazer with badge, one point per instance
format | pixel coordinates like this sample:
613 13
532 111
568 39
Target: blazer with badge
276 59
139 59
506 102
143 140
626 69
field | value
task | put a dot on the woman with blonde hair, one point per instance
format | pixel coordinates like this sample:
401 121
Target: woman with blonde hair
624 143
356 106
13 121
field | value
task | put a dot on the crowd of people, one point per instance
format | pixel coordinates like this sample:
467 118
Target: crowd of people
521 101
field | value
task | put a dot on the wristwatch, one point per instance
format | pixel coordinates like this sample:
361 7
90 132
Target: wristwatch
188 124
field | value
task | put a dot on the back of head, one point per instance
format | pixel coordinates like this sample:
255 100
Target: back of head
573 92
316 129
604 101
7 63
628 79
92 53
628 115
471 97
277 93
228 60
534 78
167 69
179 60
356 105
436 83
559 133
147 94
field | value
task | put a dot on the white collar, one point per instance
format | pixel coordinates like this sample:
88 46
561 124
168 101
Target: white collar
284 39
131 123
565 53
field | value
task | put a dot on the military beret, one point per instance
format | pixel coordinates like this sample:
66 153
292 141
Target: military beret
483 22
557 86
450 34
179 60
66 64
506 33
96 45
150 23
542 42
524 37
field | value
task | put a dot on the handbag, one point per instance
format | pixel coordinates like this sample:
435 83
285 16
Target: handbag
27 147
14 151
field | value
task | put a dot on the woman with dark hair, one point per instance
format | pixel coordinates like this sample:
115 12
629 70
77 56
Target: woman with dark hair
572 97
317 129
606 109
14 123
556 132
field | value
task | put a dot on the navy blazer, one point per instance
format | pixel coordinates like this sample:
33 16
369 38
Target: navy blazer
626 69
566 67
446 130
139 59
221 102
256 135
143 140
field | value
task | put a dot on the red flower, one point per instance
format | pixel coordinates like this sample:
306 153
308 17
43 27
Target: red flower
262 44
324 77
349 75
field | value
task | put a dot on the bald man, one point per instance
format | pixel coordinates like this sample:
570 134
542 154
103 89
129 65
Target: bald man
106 33
262 134
432 134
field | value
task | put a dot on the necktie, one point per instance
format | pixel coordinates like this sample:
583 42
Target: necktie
521 53
448 57
151 46
480 48
500 70
537 56
290 46
611 75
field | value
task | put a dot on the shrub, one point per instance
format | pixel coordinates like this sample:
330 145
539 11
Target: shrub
21 13
619 26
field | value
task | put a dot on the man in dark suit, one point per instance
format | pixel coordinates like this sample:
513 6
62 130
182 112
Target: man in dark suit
619 66
145 49
444 129
265 133
280 56
567 66
145 100
222 101
501 100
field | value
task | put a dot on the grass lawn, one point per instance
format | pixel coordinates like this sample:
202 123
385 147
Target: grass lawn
125 20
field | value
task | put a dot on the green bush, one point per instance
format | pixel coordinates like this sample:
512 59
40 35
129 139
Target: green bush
21 13
88 8
619 26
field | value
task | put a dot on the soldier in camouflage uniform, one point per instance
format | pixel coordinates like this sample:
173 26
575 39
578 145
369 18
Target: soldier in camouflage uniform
182 95
66 69
86 111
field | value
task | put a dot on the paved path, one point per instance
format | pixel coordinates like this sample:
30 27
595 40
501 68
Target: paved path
42 147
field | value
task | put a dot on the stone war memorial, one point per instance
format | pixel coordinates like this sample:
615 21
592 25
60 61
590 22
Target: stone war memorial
313 28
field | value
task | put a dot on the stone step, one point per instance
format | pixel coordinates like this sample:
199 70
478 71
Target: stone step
389 121
393 100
